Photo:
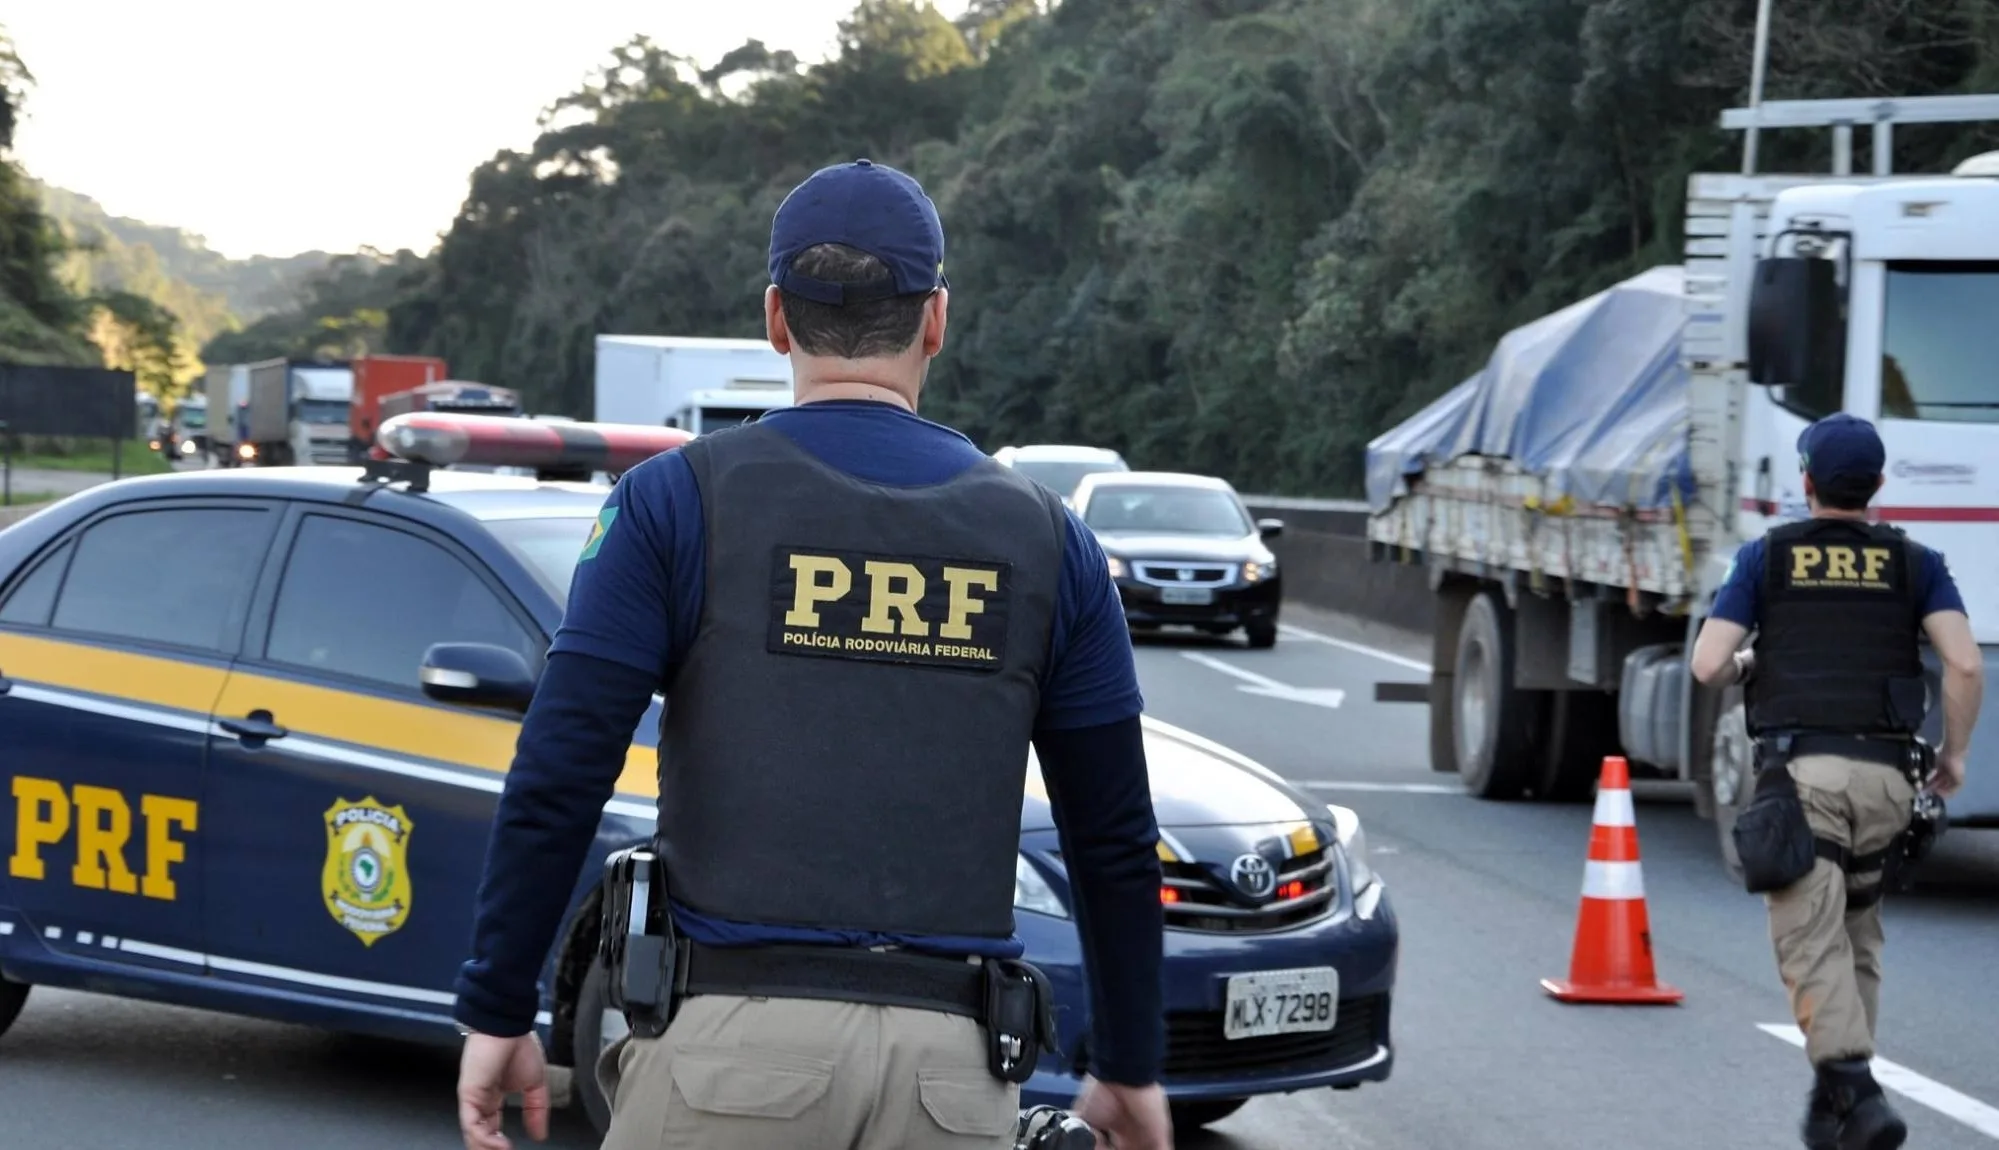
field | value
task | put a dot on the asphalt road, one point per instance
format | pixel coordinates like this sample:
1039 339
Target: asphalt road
1487 897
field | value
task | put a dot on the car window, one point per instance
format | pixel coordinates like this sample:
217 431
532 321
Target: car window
549 547
1059 476
169 575
367 600
31 601
1174 510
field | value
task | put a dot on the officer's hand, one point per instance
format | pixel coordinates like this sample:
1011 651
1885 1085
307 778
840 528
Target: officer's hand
1949 776
491 1069
1134 1117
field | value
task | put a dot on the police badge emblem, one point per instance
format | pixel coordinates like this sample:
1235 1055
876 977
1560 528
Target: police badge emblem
366 878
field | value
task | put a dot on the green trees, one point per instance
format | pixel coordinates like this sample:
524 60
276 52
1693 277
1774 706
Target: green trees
1240 236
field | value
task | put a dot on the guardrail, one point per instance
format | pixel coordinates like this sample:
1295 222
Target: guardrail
1323 556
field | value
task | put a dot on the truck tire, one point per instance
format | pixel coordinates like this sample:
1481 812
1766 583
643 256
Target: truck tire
1733 775
1494 723
1582 729
1443 732
12 996
594 1028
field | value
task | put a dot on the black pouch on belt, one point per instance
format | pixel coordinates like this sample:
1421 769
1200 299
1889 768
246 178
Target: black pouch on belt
1772 837
1020 1018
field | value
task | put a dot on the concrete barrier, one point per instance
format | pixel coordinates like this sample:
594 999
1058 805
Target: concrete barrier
1323 556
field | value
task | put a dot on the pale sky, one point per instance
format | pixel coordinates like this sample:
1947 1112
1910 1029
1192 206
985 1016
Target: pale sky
275 127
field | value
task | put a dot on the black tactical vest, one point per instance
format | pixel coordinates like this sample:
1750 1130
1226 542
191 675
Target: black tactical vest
1837 647
846 740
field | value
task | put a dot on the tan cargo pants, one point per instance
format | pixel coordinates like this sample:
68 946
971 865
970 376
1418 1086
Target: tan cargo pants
1830 956
736 1073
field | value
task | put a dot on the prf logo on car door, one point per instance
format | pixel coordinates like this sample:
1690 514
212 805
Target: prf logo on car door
366 879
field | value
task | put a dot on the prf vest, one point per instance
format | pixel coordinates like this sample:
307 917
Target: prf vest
1837 647
846 740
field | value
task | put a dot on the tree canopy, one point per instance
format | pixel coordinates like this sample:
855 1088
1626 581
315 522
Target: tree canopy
1235 236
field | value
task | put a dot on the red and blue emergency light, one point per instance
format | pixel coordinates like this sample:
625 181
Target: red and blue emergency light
417 441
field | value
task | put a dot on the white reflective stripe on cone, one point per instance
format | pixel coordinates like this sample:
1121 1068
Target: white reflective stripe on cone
1613 880
1614 809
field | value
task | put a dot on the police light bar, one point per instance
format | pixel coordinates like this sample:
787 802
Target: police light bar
440 439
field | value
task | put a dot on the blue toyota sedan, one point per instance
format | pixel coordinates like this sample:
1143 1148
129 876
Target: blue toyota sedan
256 721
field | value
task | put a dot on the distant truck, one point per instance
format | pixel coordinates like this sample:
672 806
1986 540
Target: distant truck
447 395
689 382
187 432
1578 502
378 376
280 412
227 389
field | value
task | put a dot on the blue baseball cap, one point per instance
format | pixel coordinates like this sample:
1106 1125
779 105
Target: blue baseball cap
863 205
1841 446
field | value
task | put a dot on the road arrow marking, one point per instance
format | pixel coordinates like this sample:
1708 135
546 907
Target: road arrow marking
1255 684
1913 1086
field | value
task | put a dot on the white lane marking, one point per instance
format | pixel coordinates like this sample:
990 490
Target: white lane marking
1614 881
1393 788
1260 685
1911 1085
1297 632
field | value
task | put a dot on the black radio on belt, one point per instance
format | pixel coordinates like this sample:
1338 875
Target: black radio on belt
1020 1018
636 942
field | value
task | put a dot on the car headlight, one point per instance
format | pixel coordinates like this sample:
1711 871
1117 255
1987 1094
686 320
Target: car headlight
1353 841
1118 569
1257 572
1032 892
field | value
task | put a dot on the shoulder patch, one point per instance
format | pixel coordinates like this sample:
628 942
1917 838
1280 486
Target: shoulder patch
603 524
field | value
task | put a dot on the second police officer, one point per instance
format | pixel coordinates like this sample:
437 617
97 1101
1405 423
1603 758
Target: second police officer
860 623
1835 697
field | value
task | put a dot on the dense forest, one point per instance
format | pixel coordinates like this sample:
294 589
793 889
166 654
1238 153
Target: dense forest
1239 236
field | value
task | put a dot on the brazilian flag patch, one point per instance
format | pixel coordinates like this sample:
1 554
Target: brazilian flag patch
597 530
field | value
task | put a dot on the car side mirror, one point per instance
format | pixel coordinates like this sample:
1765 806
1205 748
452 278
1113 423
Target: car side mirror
1270 528
476 675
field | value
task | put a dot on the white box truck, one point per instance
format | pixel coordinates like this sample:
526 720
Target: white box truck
1577 503
688 381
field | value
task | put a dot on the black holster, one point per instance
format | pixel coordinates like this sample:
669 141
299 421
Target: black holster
1772 837
637 943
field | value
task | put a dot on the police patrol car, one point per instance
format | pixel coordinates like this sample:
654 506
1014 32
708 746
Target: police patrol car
255 723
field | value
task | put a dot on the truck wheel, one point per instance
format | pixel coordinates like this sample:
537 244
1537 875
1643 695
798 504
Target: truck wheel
595 1027
1582 729
1494 722
1734 775
12 996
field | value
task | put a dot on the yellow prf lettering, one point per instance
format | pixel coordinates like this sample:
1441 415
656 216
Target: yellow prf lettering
963 605
883 598
102 821
162 849
34 830
811 592
1803 559
1839 564
100 845
1876 558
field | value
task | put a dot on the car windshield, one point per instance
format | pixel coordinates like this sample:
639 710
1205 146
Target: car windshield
549 547
1061 476
1167 510
1937 343
194 417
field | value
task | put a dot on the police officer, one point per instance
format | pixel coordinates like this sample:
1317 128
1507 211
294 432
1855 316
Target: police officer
1834 690
861 624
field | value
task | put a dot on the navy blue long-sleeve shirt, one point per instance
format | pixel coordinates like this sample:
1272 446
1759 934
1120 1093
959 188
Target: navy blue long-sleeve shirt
634 604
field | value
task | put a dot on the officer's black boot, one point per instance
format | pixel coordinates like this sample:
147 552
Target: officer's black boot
1866 1121
1821 1129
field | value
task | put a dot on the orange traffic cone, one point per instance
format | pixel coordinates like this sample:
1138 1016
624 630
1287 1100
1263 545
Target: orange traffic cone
1612 961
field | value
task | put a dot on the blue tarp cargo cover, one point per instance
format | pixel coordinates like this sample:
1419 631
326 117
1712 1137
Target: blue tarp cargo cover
1593 398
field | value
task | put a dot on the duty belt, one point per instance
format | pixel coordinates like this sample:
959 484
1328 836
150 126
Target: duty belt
883 978
1886 750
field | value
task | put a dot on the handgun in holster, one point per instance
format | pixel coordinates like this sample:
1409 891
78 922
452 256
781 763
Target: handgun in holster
637 943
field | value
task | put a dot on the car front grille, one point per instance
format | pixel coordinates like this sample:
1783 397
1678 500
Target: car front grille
1184 574
1199 902
1197 1047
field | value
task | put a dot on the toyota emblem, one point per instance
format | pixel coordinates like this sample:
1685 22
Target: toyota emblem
1186 574
1253 876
